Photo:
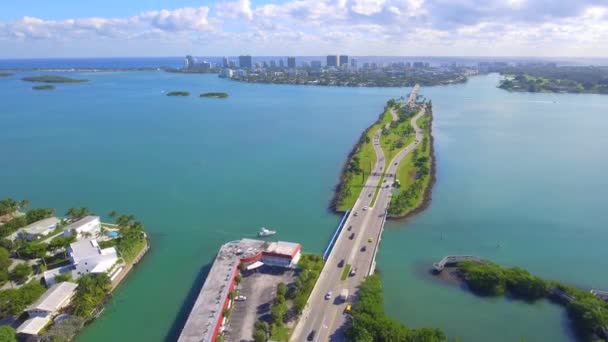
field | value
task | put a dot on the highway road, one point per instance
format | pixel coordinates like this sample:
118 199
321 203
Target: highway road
356 245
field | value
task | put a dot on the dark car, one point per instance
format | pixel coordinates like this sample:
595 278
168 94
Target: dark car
311 336
352 236
363 249
349 228
341 263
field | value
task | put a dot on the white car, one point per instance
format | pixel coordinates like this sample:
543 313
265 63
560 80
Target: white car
240 298
328 295
364 208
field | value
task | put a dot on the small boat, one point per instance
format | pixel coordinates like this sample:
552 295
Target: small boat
266 232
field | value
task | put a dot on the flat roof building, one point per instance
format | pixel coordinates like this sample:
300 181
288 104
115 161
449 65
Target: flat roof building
87 257
87 226
37 229
245 62
206 318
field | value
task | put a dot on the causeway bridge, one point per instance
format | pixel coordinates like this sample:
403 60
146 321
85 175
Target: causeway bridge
355 246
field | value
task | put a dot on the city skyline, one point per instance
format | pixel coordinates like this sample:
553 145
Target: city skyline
304 28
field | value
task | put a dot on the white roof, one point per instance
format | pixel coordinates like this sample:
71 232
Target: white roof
41 226
282 247
33 325
85 248
54 297
83 221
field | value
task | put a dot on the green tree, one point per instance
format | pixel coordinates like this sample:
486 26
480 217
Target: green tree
38 214
21 273
62 242
75 214
259 336
7 334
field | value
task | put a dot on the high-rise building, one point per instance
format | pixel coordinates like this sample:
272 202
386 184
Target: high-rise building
245 62
343 60
281 63
273 64
332 61
353 63
315 64
225 62
189 62
291 62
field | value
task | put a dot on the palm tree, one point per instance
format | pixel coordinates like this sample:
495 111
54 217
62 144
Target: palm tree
23 203
113 214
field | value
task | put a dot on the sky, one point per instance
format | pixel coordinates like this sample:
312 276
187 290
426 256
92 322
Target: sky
132 28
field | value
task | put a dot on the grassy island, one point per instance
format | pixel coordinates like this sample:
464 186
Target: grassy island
371 323
52 79
555 79
360 163
44 87
215 95
178 93
588 313
415 173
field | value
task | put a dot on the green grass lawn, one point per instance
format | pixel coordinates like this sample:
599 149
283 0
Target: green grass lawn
406 175
396 140
345 271
367 159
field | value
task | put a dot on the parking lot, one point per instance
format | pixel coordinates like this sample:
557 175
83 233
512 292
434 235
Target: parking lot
259 286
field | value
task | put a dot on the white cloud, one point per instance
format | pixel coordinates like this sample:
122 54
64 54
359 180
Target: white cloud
366 27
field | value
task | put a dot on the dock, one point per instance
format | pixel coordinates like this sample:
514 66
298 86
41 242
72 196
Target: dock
452 260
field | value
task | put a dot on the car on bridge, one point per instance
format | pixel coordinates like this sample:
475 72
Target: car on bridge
328 295
363 249
352 236
370 240
311 336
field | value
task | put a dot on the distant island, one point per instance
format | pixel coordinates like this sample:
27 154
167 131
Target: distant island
44 87
178 93
5 74
548 78
52 79
215 95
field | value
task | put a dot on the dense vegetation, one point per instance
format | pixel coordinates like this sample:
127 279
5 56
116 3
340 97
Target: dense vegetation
132 238
7 334
588 313
9 209
215 95
310 268
44 87
178 93
371 324
14 301
414 173
91 292
553 79
53 79
64 330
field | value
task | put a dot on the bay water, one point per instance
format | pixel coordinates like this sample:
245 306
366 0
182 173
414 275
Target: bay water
519 181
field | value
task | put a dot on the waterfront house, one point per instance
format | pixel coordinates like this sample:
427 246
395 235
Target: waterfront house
88 226
38 229
87 257
46 307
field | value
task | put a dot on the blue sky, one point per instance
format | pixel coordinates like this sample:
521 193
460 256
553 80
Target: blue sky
69 28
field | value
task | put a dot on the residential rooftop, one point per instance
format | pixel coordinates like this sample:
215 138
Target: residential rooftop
33 325
83 221
54 297
40 227
87 248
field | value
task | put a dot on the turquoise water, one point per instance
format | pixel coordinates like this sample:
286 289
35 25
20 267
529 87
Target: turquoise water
513 169
521 181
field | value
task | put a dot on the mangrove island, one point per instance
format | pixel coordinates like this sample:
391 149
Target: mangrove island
178 93
44 87
215 95
52 79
